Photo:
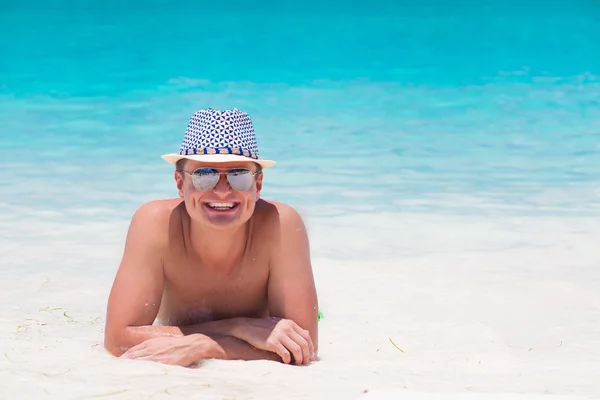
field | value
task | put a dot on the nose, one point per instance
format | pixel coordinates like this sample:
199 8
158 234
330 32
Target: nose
222 188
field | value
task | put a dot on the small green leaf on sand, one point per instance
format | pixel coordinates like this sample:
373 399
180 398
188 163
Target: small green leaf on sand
392 342
319 316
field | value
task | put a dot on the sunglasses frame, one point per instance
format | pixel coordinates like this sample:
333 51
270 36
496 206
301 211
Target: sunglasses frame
221 172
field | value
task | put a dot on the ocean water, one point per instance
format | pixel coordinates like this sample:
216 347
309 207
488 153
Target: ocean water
450 150
470 108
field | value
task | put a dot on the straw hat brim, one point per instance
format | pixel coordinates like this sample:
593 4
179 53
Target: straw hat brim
216 158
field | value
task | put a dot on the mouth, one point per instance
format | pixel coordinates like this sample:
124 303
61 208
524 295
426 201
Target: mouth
222 207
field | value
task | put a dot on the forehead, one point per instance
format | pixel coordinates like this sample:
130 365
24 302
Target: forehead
192 164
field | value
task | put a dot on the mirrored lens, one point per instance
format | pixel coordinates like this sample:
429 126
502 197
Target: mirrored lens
240 179
205 179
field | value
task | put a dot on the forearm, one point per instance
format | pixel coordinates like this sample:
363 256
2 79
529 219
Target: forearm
232 348
119 342
193 348
224 327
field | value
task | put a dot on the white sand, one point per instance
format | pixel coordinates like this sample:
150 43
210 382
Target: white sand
483 308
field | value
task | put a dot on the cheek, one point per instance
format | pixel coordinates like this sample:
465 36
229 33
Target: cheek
254 193
250 200
190 194
186 191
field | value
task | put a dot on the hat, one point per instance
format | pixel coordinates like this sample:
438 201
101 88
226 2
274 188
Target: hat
219 136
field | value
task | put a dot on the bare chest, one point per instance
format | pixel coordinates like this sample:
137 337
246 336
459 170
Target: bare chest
193 294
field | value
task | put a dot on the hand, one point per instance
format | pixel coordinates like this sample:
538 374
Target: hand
281 336
179 350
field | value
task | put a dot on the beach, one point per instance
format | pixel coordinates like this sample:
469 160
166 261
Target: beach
493 306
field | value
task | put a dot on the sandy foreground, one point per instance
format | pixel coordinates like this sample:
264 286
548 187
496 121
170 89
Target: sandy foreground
415 307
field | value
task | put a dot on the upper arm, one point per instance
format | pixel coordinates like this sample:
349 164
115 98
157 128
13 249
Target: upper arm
292 293
137 289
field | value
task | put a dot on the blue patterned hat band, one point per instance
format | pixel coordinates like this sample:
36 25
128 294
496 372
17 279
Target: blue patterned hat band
219 136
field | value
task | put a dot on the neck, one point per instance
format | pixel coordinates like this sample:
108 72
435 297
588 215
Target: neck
221 250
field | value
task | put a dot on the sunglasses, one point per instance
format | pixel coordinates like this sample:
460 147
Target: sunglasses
204 179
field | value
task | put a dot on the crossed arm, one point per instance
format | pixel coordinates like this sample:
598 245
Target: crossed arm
290 334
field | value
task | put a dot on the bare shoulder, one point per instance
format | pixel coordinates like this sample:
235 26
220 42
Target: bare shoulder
157 210
281 216
284 229
153 220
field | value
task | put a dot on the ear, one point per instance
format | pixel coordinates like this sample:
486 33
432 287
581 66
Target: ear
259 179
179 182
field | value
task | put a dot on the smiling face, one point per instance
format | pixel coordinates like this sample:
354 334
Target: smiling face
220 206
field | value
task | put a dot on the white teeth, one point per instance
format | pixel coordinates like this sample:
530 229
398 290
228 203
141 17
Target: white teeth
221 206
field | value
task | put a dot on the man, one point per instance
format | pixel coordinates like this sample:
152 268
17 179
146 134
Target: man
225 273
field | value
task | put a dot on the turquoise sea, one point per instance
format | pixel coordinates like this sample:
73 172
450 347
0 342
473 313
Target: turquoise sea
366 106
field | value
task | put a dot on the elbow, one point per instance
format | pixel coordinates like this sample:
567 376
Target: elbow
113 345
113 348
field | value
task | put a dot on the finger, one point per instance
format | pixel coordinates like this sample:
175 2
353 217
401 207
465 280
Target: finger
293 326
146 357
135 348
283 353
136 352
129 352
294 348
303 344
306 335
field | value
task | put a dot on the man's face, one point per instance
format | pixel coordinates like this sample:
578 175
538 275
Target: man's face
221 206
